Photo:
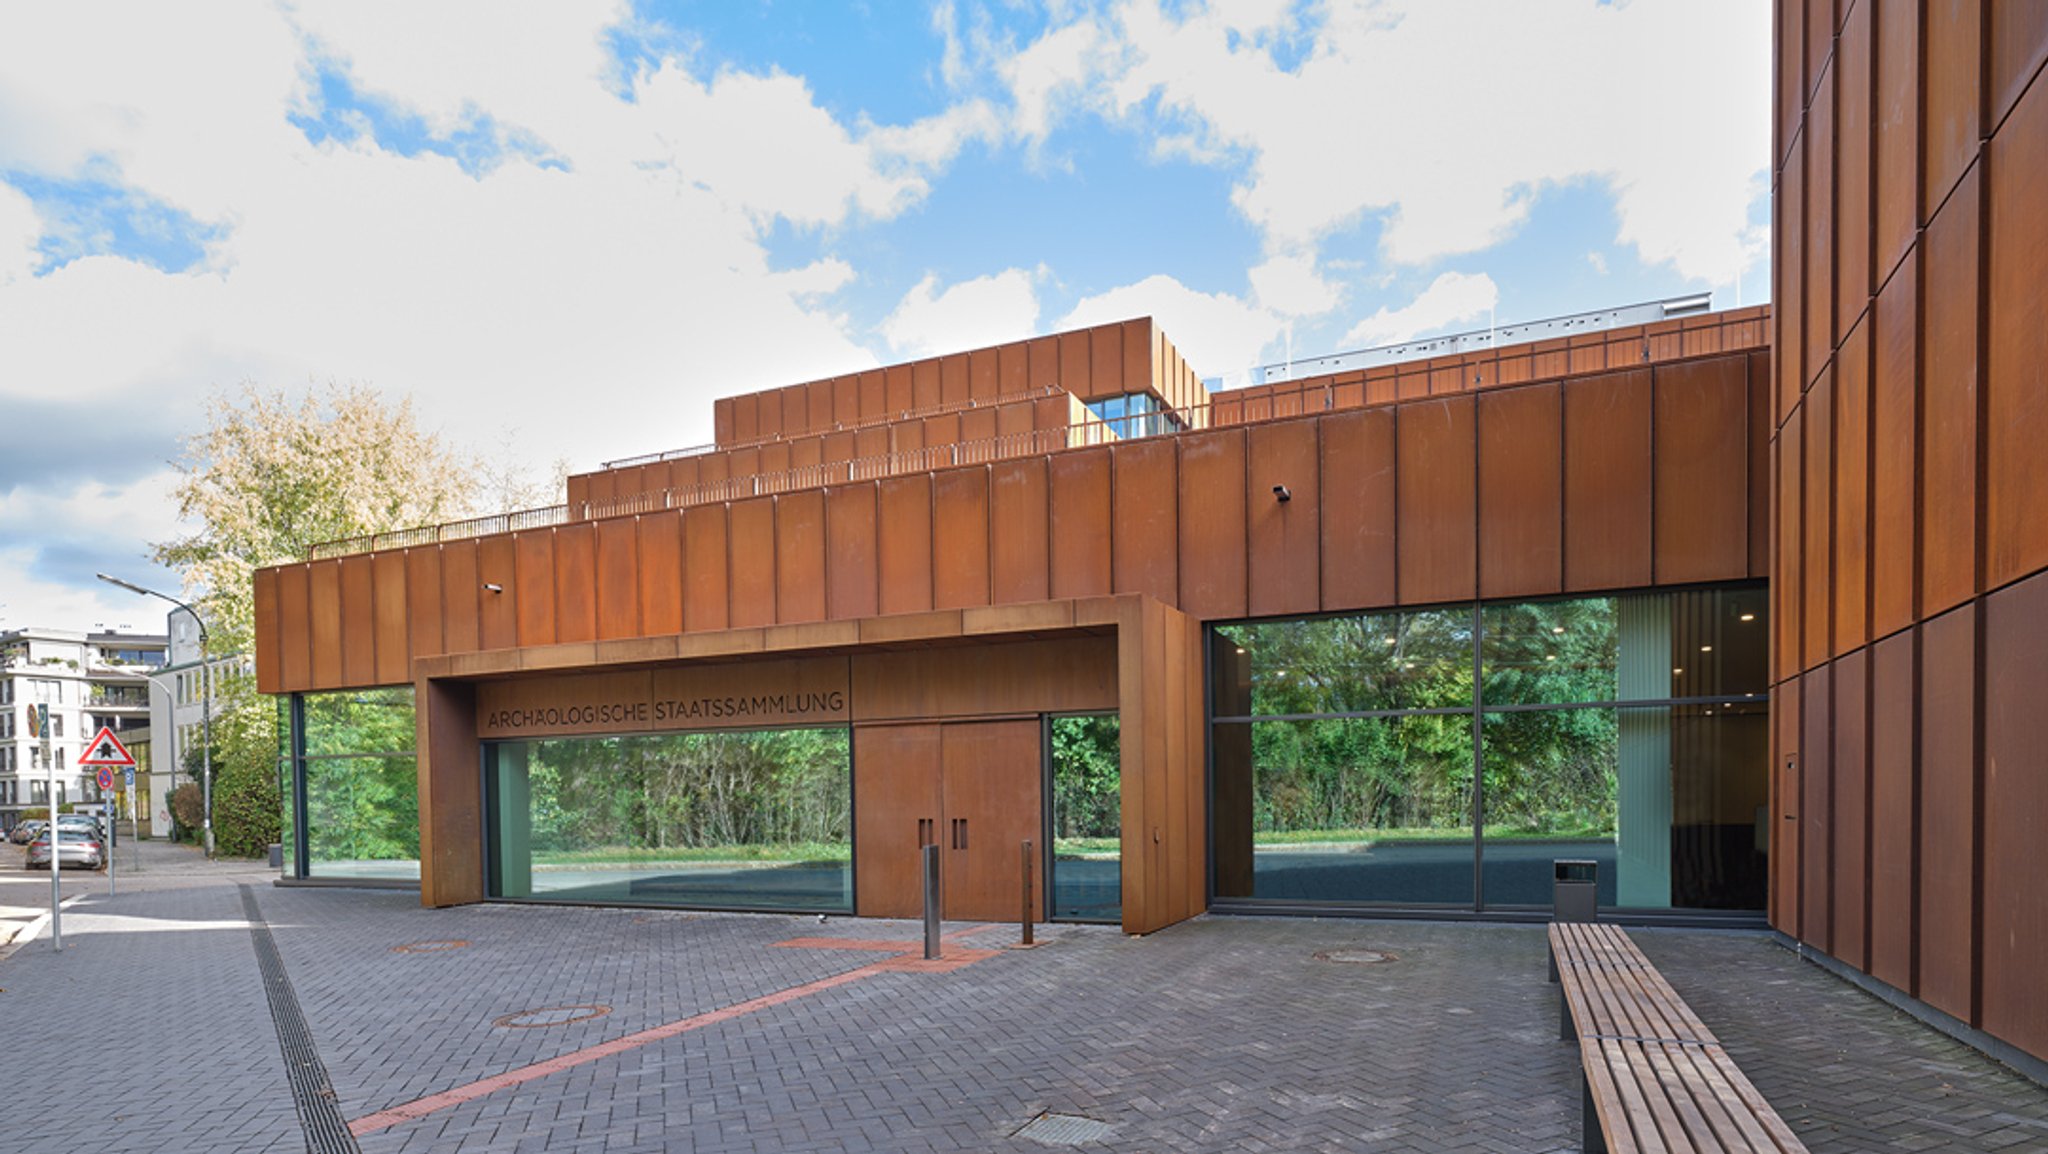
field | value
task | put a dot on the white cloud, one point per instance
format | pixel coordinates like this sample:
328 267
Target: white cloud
987 310
1446 120
1292 285
19 229
1219 334
1452 298
1053 69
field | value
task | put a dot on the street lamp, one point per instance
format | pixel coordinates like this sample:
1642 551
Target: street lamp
206 706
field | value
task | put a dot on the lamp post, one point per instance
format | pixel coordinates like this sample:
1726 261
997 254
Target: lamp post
206 703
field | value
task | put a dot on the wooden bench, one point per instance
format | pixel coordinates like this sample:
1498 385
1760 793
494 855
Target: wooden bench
1656 1079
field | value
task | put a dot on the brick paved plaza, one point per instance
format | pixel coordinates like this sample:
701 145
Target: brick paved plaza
755 1032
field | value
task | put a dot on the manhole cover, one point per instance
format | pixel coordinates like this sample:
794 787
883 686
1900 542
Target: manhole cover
1065 1130
551 1016
1354 957
429 947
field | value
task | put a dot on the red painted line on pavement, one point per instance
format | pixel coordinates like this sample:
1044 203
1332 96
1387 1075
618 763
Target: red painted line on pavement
421 1107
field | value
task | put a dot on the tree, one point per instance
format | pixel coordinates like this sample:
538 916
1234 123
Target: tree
269 477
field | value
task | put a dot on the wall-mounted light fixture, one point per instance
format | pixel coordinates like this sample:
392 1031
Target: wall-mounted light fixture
1280 491
493 588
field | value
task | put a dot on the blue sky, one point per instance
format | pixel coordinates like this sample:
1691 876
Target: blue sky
533 218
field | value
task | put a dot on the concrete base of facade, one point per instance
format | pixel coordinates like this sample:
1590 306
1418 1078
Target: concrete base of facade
2023 1063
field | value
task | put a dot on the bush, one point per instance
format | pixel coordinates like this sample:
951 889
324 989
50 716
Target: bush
188 806
246 815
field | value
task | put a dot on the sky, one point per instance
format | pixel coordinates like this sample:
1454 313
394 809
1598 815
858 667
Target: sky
564 227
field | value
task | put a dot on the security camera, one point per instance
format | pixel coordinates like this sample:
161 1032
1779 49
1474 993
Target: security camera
1281 492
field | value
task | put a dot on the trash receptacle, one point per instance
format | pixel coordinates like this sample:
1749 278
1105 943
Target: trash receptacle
276 856
1575 891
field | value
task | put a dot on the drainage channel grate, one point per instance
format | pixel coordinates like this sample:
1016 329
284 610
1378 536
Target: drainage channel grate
1354 957
1051 1129
312 1093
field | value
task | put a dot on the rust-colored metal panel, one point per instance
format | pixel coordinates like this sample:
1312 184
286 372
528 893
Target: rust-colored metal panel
1106 362
1788 97
871 443
658 557
295 627
2015 998
461 587
750 528
705 572
850 573
960 532
1213 515
1854 156
906 543
358 624
1286 536
794 401
942 431
746 420
1892 791
1955 93
818 406
899 389
926 390
954 385
575 590
1073 365
578 489
1852 491
1948 797
1013 369
1785 805
1788 596
874 395
2016 344
1051 676
1521 491
1948 382
1816 810
450 795
800 557
1607 507
721 422
2019 45
1819 39
1789 267
1898 131
775 457
1141 368
978 428
1143 547
534 563
1817 520
896 809
1079 484
984 384
993 805
846 400
1702 470
1760 424
1358 510
498 613
1851 787
324 619
713 468
269 631
1043 358
1819 221
1894 463
1013 423
389 607
1438 550
1020 545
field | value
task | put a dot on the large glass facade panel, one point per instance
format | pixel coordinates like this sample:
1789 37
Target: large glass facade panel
1344 762
1345 809
727 820
358 785
1388 661
1087 820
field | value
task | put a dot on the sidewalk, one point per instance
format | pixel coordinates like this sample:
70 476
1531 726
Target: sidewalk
506 1028
140 865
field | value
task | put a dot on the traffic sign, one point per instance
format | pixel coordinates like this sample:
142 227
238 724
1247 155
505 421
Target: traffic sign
105 778
131 779
106 749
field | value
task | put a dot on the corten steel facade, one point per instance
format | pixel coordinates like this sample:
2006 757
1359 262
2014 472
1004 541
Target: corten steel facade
1910 414
941 596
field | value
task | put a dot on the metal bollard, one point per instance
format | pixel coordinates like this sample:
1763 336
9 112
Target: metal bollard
931 902
1027 892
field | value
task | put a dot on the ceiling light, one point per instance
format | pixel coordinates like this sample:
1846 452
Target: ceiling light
1677 672
1557 629
1749 617
1706 649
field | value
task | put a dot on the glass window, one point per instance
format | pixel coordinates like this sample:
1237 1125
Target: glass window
1087 820
359 785
368 721
1389 661
1345 809
729 820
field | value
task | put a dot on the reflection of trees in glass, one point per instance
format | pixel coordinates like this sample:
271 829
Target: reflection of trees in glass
1086 802
1403 773
360 722
1551 773
681 791
1551 652
1354 664
362 809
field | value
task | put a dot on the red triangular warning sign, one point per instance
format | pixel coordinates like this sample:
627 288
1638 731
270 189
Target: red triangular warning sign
106 749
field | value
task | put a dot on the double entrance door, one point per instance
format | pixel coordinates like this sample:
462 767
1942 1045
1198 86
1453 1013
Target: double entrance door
972 788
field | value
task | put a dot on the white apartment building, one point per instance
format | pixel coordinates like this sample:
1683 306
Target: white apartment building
88 680
177 717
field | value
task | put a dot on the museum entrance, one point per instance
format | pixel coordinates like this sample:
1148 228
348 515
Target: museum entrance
972 788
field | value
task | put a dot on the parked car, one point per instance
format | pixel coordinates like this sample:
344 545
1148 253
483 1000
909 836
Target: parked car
27 831
74 847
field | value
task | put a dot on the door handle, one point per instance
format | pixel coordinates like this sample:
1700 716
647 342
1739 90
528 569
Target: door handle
959 833
925 833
